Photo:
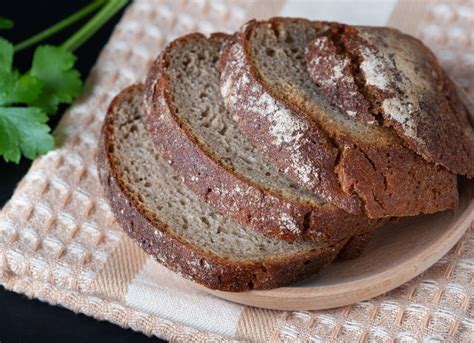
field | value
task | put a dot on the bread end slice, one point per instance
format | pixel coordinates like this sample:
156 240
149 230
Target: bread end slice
402 86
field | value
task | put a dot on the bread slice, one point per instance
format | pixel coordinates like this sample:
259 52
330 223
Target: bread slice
189 123
399 84
180 231
265 78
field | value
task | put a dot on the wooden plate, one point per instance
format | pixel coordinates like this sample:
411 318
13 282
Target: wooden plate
396 254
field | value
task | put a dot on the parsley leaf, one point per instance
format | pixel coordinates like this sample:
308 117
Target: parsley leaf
26 89
26 100
23 131
6 55
61 83
13 87
16 89
51 81
6 23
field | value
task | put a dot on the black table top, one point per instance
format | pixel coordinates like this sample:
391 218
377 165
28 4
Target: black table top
22 319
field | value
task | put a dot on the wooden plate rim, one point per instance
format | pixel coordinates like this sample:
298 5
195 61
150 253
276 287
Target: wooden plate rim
330 296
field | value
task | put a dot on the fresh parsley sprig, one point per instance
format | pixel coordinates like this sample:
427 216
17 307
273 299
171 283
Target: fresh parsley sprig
27 100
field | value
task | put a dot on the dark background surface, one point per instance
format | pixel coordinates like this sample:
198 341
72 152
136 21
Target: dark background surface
22 319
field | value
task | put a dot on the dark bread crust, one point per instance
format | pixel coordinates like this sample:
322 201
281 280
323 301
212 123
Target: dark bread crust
256 207
389 178
178 255
390 66
392 180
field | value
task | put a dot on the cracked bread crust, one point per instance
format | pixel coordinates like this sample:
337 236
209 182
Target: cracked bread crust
188 260
371 162
204 173
392 180
400 84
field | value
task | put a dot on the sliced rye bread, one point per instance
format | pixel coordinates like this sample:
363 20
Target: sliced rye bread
381 75
270 94
183 233
190 126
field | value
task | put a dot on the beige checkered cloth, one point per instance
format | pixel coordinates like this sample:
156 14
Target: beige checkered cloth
60 243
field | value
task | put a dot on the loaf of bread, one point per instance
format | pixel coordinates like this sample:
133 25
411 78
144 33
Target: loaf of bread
272 97
180 231
252 161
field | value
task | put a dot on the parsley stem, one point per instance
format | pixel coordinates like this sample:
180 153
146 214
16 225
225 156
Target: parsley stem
94 24
59 26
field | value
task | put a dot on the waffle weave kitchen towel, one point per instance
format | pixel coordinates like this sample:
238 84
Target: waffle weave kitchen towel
60 243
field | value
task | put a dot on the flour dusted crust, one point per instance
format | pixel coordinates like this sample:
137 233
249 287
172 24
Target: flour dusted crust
333 72
188 260
227 191
371 162
402 84
294 144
